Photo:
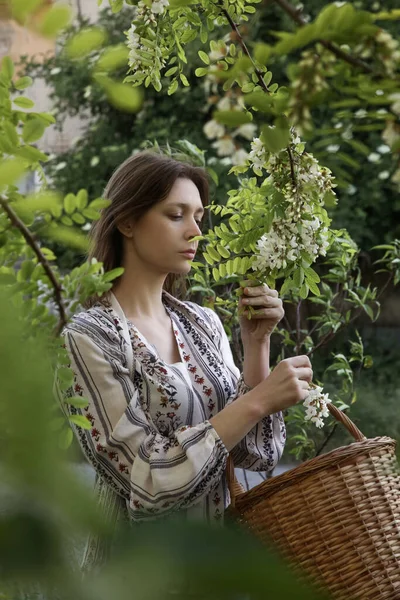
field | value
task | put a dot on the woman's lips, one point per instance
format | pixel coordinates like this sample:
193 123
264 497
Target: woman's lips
189 253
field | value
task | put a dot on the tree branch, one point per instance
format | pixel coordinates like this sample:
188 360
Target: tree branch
259 77
30 240
295 14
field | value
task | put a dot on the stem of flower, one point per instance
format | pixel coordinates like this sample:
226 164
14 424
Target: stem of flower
30 240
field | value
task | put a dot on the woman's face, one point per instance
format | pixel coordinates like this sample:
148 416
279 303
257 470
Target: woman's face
160 239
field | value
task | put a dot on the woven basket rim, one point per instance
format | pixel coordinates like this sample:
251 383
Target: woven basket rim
312 466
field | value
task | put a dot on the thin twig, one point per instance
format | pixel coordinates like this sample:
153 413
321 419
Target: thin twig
295 14
245 49
298 327
259 77
30 240
328 437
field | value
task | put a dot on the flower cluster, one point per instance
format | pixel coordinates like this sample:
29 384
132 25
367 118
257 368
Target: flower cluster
299 224
316 404
146 50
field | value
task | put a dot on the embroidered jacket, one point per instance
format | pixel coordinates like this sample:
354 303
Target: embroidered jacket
151 438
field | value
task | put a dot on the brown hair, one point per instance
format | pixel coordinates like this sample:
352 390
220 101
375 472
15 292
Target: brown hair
138 184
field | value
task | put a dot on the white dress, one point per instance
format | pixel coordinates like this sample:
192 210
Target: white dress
151 441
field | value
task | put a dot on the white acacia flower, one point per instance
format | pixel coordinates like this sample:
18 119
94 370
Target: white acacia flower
390 134
384 175
247 130
213 129
383 149
316 405
224 103
158 6
396 104
333 148
374 157
360 113
240 157
224 146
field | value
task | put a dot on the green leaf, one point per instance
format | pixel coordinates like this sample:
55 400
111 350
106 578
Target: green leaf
86 41
67 236
7 67
275 138
23 102
313 287
213 253
233 118
200 72
21 9
204 57
262 53
113 58
178 3
33 130
81 199
69 203
31 154
171 71
100 203
298 277
66 438
55 20
80 421
311 274
116 5
113 274
173 87
77 401
184 80
259 100
224 252
23 82
123 96
11 170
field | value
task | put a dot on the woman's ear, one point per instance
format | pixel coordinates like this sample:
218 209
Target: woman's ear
126 228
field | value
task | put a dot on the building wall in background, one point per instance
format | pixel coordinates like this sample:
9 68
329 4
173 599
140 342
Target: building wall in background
16 41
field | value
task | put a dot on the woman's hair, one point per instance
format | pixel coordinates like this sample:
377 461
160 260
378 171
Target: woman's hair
138 184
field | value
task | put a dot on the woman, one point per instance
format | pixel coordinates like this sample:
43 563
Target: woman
166 402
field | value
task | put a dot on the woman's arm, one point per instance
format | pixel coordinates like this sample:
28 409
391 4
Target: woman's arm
255 361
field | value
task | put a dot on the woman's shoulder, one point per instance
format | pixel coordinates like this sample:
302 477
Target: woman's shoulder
98 321
201 313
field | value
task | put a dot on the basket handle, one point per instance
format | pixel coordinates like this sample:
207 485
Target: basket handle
342 418
235 489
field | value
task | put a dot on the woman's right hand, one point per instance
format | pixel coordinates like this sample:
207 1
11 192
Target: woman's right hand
286 385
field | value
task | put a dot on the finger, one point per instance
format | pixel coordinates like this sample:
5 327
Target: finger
260 290
266 301
304 385
268 313
304 374
299 361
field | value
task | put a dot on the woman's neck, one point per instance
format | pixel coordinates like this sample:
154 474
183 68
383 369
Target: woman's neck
140 297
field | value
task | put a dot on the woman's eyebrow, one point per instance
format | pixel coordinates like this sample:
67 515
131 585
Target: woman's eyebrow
184 205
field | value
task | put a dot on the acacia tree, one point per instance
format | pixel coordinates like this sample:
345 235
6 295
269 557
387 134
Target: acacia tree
274 226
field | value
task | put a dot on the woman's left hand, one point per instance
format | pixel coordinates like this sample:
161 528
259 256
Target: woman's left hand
269 309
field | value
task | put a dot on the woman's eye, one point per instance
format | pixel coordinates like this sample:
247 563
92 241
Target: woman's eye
175 217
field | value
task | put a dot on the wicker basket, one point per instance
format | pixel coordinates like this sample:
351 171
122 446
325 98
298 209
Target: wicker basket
335 517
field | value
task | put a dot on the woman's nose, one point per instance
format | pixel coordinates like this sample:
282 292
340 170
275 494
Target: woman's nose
193 230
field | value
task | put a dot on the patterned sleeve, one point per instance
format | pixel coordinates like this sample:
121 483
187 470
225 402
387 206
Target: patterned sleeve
262 447
156 474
